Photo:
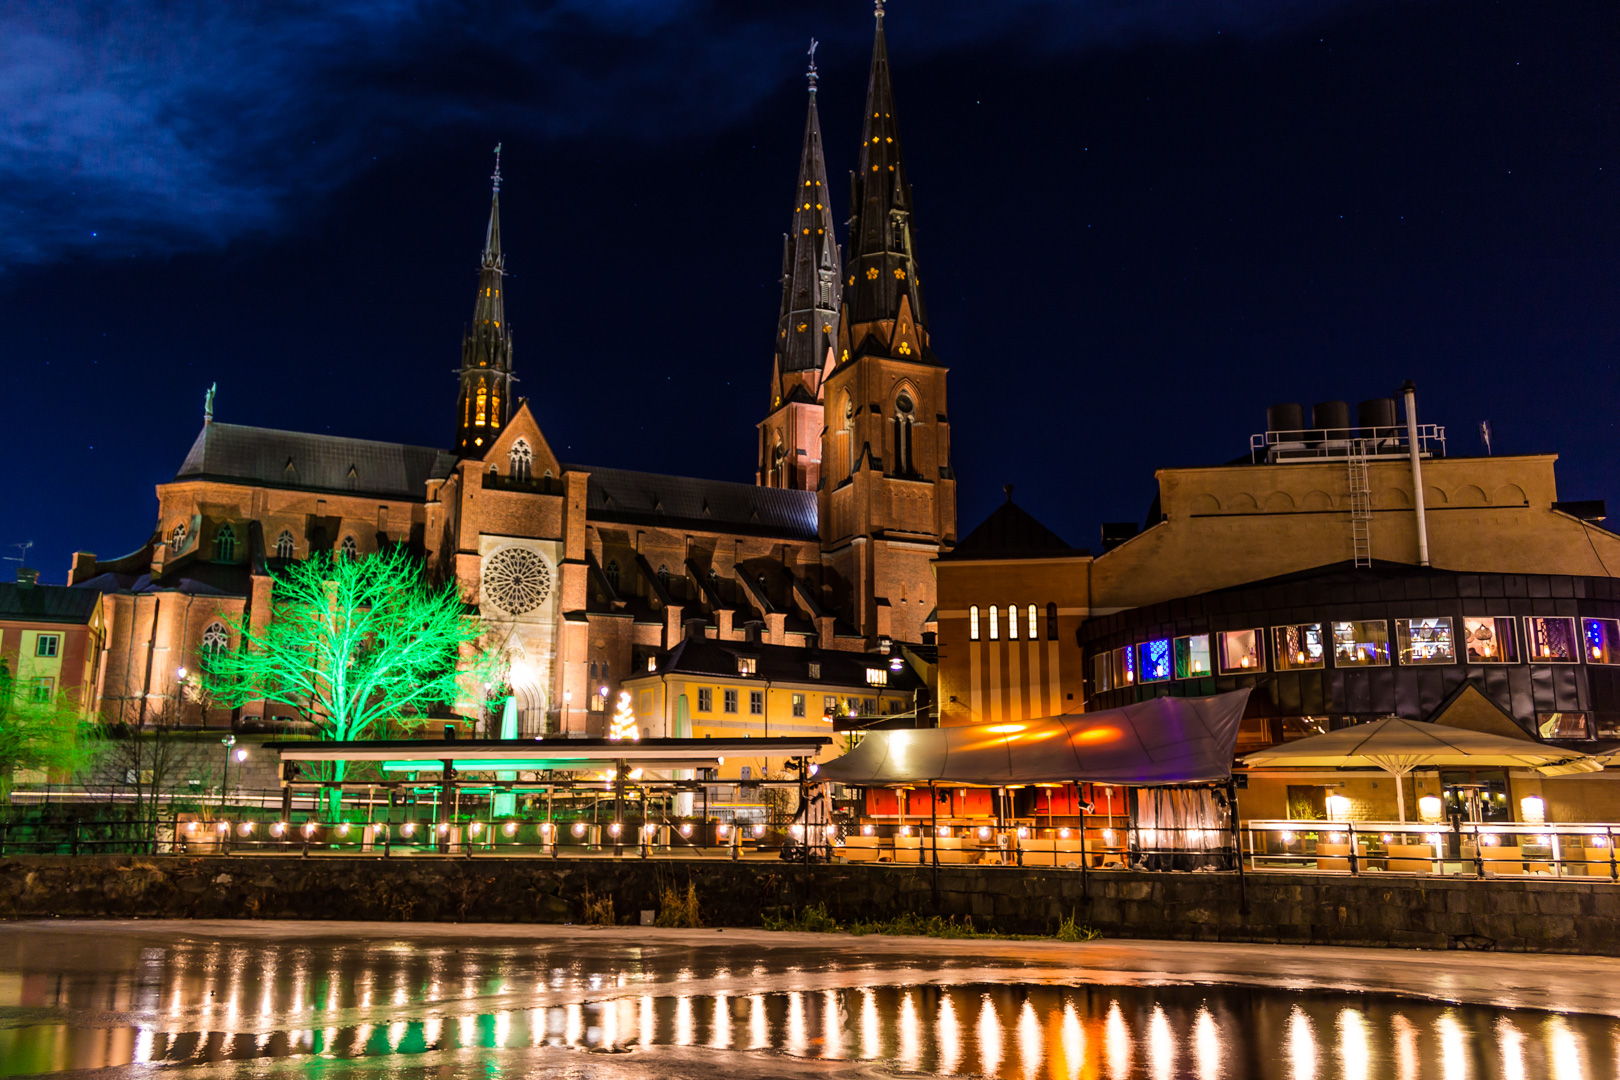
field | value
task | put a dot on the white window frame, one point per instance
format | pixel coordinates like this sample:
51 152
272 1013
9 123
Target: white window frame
1498 622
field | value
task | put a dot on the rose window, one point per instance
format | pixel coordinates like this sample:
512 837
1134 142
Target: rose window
516 580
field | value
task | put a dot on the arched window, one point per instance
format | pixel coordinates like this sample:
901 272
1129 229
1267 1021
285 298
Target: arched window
663 577
995 631
483 406
521 459
904 418
177 538
1012 622
284 545
1051 622
495 419
612 573
224 544
215 640
973 623
350 549
778 476
1034 627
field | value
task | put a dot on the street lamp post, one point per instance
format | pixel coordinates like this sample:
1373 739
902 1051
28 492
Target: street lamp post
224 783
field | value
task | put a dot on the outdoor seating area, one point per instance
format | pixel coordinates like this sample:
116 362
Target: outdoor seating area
1469 850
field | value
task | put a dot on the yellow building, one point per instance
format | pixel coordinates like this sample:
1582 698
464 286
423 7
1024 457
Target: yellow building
707 688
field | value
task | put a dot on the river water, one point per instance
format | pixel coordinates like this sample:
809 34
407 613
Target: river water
389 1001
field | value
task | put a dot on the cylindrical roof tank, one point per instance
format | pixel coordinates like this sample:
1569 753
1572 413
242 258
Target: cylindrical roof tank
1286 417
1378 412
1331 415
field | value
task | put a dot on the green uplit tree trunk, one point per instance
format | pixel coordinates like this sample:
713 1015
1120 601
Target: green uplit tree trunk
356 647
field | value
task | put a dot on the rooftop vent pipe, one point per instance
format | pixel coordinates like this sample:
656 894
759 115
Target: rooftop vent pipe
1409 391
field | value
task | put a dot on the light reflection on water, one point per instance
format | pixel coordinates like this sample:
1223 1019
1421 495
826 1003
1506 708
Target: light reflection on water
193 1005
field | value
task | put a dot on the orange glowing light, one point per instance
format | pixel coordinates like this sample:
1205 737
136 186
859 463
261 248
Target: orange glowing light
1099 735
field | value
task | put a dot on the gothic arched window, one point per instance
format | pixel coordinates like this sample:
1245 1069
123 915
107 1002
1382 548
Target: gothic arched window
1051 622
663 577
177 538
778 476
521 460
1012 622
215 640
482 412
284 545
973 623
350 549
904 418
224 544
612 573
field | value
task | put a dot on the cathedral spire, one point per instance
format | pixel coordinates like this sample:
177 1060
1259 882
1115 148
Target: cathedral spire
808 318
485 399
883 305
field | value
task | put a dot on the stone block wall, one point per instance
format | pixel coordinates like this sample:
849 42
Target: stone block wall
1527 916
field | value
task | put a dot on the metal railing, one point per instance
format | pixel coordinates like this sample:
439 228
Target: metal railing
1479 850
1374 443
1465 850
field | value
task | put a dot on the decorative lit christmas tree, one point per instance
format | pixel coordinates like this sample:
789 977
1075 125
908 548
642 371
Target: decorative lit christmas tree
624 720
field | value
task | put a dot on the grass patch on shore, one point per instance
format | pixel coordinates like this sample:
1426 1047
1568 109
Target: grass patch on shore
817 920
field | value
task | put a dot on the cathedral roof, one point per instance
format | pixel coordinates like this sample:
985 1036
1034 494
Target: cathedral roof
1011 533
305 462
638 498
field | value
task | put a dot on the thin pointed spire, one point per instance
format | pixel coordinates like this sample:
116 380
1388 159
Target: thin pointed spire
883 302
808 317
485 400
492 237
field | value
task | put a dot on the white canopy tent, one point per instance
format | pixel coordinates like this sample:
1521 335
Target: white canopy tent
1399 746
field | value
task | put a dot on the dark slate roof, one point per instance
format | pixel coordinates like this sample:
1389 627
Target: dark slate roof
46 603
785 663
293 459
1011 533
638 498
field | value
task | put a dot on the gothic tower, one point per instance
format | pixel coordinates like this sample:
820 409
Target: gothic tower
790 434
887 500
485 401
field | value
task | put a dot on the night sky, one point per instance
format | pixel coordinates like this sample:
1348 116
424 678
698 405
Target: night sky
1137 225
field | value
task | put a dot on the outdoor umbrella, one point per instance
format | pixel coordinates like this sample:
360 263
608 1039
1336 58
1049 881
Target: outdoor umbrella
1398 746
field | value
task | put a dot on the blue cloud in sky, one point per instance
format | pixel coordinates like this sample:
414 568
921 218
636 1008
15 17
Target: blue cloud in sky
146 128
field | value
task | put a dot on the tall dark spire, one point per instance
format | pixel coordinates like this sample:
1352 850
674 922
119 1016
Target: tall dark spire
883 304
807 323
485 400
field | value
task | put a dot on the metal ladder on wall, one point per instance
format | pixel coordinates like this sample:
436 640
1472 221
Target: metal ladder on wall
1360 503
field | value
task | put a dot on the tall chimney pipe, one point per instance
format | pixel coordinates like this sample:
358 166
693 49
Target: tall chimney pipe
1409 391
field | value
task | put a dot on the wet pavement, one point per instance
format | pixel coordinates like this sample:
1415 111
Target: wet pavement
240 999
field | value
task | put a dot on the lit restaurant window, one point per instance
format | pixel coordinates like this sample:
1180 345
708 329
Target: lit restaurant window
1299 647
1192 656
1361 644
973 623
1153 660
1425 641
1124 666
1602 636
1551 641
1242 651
1489 640
1102 674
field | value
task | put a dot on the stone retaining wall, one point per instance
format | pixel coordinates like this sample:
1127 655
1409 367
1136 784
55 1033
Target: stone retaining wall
1534 916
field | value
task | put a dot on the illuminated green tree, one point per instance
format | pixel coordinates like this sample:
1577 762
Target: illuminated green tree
40 729
358 647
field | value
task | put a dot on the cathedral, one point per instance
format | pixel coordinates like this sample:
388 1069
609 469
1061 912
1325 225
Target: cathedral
589 577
